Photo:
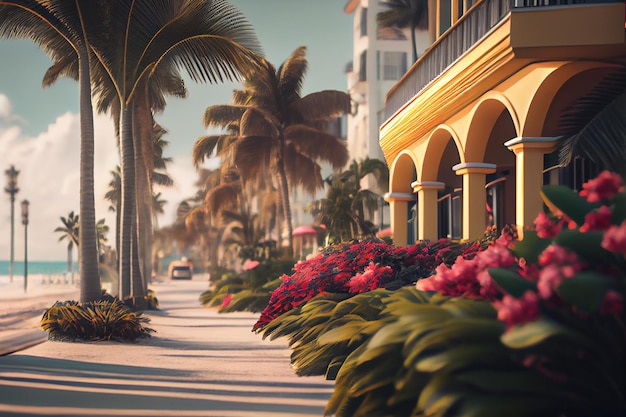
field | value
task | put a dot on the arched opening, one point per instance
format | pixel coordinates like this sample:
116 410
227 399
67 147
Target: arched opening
401 199
492 125
442 154
500 186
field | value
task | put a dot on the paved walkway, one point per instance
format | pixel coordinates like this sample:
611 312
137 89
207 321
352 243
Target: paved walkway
198 363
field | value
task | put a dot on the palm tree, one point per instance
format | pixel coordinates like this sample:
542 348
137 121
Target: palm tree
412 14
273 132
63 30
210 40
343 210
69 232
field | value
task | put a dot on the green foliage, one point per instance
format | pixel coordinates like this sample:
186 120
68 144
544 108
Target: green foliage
323 331
106 319
525 349
152 302
440 356
246 291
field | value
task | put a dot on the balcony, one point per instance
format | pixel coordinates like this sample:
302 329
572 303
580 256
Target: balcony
457 40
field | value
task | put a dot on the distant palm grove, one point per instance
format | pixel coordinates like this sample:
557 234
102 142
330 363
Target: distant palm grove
128 57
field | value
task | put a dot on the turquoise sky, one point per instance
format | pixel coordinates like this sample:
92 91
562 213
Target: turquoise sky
39 127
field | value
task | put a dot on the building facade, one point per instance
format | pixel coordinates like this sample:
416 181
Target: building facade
381 56
471 129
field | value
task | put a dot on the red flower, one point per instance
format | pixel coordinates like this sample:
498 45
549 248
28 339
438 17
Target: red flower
226 301
597 220
615 238
601 188
557 264
546 227
514 311
613 303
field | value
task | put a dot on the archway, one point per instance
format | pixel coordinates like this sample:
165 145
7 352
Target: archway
401 199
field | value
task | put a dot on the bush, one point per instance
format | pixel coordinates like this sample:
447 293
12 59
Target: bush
247 291
107 319
357 267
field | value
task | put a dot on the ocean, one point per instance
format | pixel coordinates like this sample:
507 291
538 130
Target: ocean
36 267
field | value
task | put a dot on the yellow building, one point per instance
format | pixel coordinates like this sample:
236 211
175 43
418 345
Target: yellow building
471 127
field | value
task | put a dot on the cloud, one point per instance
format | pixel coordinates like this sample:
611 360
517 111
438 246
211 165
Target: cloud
6 110
49 179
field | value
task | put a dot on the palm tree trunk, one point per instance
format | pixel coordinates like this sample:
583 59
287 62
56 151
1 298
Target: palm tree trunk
414 42
284 196
69 257
90 287
128 201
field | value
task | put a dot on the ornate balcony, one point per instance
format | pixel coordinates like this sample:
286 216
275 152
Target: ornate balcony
465 33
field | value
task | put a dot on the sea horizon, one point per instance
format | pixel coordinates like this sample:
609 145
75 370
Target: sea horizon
37 267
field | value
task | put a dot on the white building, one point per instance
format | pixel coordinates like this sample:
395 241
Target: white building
381 57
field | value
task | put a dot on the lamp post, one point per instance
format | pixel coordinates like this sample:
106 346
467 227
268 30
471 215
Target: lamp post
25 204
12 189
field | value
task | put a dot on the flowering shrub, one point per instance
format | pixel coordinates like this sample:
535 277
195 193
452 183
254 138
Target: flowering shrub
358 267
573 259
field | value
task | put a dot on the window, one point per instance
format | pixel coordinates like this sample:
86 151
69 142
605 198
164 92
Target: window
394 65
363 66
364 21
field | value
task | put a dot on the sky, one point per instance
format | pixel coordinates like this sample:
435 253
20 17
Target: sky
39 128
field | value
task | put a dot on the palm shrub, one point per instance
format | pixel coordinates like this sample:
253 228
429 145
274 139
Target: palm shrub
249 290
105 319
152 302
524 328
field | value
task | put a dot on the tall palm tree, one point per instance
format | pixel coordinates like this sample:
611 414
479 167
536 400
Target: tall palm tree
210 40
63 30
277 130
412 14
343 210
69 231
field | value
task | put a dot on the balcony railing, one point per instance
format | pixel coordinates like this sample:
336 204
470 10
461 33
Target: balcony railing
467 31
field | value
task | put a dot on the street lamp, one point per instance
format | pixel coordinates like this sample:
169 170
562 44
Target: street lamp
25 204
12 189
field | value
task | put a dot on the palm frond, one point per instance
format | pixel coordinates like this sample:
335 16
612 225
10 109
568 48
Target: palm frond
223 115
317 145
291 73
323 105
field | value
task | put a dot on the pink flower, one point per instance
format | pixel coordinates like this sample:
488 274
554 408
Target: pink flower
546 227
550 278
557 264
615 238
613 303
250 264
226 301
370 278
597 220
603 187
514 311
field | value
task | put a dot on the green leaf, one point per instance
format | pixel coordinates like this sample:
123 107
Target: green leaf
586 245
619 208
567 201
511 282
333 368
532 334
585 290
530 246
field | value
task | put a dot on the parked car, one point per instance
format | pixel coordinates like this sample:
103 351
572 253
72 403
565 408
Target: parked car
182 269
